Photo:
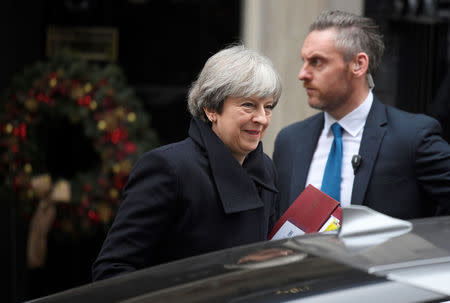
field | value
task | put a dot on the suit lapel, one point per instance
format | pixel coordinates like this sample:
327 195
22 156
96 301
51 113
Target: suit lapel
374 131
307 139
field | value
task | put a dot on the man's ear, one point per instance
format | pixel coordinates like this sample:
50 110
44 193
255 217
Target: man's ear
360 64
212 115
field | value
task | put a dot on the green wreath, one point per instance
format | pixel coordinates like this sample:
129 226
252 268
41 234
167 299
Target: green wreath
97 99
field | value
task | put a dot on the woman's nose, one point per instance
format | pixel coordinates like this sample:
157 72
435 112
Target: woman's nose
261 116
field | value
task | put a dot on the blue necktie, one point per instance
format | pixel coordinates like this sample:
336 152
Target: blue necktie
331 182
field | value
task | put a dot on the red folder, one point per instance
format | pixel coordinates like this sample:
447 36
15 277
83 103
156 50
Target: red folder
310 211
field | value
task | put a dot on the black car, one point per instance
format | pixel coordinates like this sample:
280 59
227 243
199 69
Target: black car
372 258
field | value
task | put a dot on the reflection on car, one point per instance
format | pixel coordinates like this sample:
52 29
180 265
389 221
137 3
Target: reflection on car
372 258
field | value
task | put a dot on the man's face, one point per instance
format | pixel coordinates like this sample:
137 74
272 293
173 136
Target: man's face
325 75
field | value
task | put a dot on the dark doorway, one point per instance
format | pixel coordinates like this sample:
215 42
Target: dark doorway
414 74
162 45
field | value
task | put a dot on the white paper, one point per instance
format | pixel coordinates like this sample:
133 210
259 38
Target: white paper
287 230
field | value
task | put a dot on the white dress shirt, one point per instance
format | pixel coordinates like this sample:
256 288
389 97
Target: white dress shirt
353 127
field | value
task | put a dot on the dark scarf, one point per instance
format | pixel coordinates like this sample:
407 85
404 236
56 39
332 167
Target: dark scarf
236 184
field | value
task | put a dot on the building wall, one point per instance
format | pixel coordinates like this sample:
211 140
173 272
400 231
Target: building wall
277 29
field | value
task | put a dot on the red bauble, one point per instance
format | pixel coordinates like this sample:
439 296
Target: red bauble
130 148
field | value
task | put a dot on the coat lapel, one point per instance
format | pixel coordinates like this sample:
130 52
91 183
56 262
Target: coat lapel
373 134
307 139
234 183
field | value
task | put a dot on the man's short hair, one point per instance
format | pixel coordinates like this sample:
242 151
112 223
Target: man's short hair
354 34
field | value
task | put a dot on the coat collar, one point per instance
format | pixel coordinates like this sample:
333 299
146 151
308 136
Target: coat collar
235 183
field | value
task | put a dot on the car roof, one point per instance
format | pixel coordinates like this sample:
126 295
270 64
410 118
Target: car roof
381 260
415 252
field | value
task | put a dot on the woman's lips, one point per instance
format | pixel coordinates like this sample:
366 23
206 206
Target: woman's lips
254 133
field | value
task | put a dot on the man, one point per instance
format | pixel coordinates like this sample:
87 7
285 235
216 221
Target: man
391 161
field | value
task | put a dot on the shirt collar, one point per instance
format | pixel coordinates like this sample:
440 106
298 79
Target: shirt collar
354 121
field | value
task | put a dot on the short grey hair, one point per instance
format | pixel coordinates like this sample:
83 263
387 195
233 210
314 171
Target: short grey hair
235 71
355 34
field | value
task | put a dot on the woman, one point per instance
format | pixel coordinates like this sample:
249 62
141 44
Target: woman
213 190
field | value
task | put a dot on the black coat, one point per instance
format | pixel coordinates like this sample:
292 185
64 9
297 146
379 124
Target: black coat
189 198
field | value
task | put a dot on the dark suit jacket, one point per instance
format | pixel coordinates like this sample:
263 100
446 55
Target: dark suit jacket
405 168
189 198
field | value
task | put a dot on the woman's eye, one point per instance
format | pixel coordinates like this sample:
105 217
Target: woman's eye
247 104
269 107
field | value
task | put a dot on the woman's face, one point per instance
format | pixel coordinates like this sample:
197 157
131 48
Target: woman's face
242 123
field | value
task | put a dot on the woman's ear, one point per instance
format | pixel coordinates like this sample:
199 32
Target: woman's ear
212 115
